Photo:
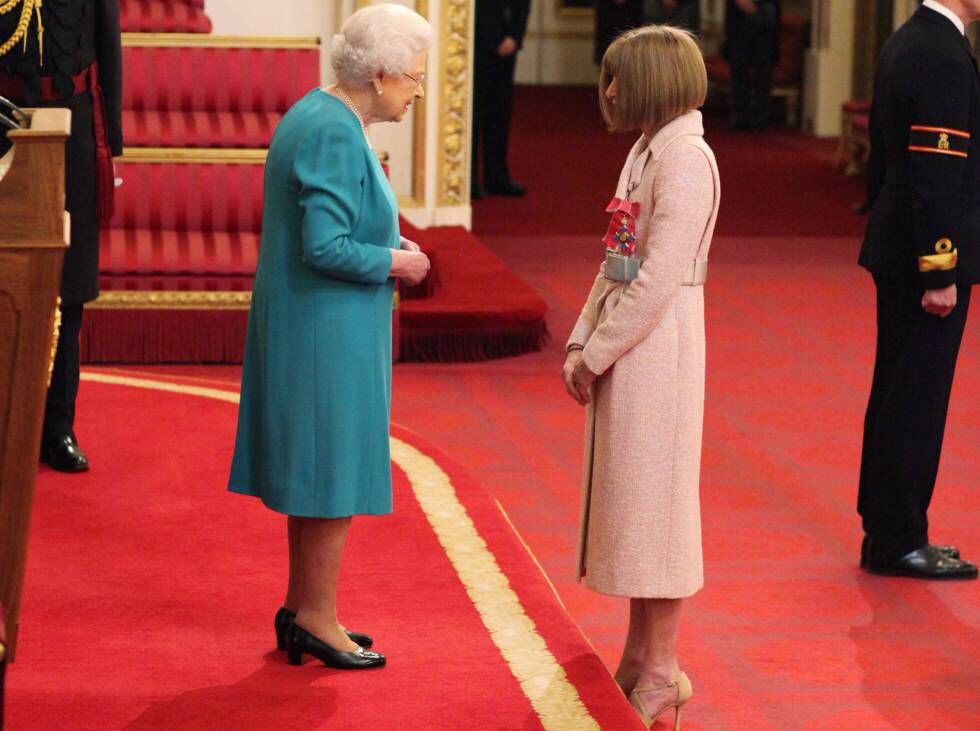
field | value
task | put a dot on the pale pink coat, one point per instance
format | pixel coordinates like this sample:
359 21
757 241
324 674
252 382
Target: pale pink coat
641 520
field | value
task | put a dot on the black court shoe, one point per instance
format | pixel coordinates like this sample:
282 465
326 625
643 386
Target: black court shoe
299 642
285 617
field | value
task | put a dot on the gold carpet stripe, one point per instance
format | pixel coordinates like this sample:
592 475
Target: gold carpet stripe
215 393
542 678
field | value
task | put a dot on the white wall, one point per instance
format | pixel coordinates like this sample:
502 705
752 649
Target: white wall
257 17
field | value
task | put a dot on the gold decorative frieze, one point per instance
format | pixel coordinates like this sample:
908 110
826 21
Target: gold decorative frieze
203 40
454 47
171 300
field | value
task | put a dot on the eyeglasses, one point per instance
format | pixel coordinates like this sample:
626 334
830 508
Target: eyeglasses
418 81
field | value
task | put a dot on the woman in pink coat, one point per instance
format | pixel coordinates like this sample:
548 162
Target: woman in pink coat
636 359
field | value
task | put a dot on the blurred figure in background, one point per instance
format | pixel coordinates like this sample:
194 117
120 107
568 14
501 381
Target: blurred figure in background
752 41
500 27
680 13
612 17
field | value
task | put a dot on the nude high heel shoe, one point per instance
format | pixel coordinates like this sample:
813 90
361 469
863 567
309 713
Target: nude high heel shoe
684 692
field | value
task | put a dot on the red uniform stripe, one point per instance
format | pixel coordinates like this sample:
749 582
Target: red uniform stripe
954 153
958 133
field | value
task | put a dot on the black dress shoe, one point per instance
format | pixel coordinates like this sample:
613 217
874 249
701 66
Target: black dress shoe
63 454
927 562
299 642
285 618
511 190
951 551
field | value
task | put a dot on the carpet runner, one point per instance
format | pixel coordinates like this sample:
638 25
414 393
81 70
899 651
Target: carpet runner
150 593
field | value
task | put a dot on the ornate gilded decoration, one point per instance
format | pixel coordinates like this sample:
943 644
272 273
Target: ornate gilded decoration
195 155
454 110
201 40
171 300
56 333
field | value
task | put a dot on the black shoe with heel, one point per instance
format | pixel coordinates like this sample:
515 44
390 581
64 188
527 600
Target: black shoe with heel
299 642
285 617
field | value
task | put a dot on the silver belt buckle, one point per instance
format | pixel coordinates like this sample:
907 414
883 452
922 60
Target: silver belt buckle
620 268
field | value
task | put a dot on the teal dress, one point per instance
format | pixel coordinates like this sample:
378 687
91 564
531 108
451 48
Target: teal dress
313 420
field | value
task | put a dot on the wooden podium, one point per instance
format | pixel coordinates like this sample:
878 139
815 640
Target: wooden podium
33 239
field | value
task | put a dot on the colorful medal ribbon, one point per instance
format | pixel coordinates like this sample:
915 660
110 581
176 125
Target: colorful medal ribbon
621 235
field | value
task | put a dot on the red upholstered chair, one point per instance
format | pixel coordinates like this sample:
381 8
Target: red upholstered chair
206 96
163 16
787 76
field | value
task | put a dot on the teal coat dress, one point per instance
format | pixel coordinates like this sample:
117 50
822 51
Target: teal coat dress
313 420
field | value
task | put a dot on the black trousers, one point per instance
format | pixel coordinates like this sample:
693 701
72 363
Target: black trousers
915 361
750 49
59 409
493 102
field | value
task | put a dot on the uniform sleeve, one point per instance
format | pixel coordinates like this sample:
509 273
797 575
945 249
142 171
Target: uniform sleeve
939 138
681 210
517 24
330 171
109 56
877 160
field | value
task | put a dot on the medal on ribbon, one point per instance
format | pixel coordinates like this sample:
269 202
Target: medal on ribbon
621 235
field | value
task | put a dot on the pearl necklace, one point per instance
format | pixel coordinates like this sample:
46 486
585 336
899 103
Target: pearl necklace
349 103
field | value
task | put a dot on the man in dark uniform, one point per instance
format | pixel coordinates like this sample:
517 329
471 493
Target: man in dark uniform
500 27
922 247
679 13
612 18
71 56
752 44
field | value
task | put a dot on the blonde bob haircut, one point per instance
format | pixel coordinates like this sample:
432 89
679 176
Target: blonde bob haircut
659 74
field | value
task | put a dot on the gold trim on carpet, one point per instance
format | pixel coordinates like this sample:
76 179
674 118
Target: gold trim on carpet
194 155
203 40
171 300
542 678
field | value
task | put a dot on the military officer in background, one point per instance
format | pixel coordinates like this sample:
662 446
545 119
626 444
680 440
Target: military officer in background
70 55
500 27
922 247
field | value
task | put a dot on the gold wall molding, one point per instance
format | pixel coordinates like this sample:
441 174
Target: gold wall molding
454 114
194 155
202 40
171 300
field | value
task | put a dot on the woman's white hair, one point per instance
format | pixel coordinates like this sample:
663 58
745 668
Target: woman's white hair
384 37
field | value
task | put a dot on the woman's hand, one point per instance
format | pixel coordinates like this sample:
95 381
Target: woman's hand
412 266
577 376
409 245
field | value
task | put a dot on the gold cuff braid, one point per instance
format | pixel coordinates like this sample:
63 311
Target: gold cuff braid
938 262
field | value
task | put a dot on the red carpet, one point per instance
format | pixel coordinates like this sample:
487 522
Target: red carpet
150 593
787 634
781 183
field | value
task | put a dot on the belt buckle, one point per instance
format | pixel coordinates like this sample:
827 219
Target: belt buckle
621 268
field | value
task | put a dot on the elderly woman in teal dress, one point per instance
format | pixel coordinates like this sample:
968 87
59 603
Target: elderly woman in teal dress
313 422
